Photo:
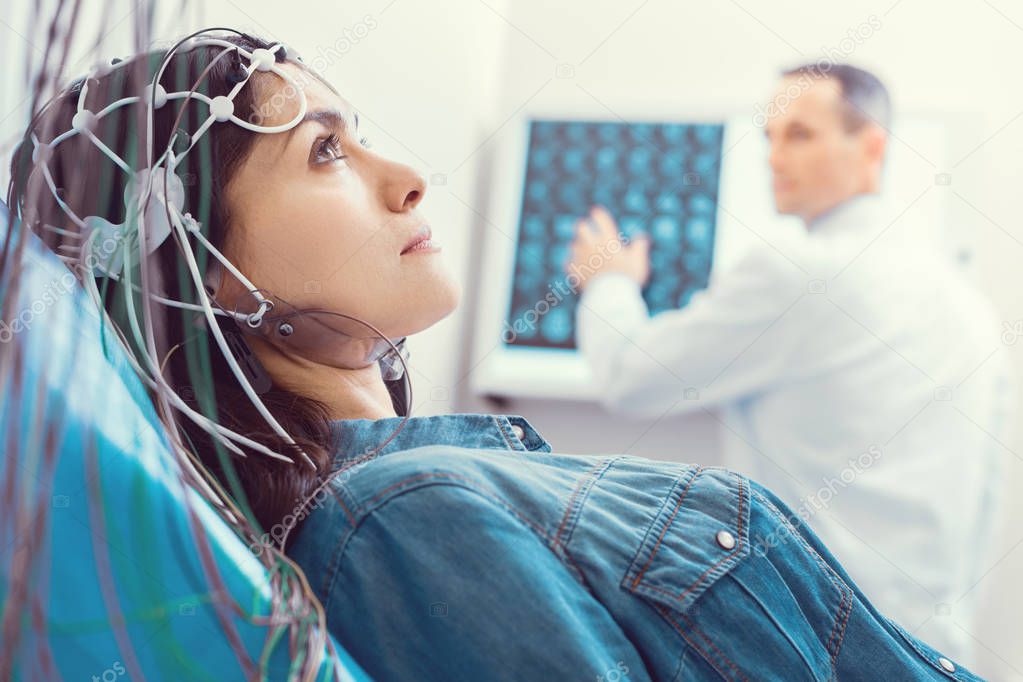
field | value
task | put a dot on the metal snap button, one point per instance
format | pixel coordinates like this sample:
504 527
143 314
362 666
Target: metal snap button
519 432
947 664
726 539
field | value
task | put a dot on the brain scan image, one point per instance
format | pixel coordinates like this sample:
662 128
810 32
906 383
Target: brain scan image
656 178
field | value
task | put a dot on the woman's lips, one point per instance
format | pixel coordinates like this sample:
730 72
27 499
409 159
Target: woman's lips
425 245
421 242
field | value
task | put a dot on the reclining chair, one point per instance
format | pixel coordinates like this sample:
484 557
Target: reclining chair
109 565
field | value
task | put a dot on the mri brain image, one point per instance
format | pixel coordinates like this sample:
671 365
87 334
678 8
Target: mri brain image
656 178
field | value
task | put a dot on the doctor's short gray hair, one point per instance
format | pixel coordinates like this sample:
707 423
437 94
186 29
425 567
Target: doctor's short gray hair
865 98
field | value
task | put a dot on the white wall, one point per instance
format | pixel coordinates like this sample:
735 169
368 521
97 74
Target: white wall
435 85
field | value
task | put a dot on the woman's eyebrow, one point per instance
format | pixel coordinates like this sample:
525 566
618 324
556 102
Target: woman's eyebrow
331 118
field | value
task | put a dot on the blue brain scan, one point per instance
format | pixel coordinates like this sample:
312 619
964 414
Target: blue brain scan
660 179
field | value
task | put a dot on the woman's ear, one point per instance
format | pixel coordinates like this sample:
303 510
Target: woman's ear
214 278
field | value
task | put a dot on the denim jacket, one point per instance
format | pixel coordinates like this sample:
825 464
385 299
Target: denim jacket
467 550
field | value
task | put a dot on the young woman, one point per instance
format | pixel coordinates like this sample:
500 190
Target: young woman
444 547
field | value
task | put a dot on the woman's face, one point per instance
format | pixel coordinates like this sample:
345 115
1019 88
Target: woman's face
321 221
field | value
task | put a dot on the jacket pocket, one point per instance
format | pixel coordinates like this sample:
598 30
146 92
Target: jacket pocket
731 576
700 533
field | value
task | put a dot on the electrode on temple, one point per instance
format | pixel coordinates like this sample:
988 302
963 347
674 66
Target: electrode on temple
221 108
263 59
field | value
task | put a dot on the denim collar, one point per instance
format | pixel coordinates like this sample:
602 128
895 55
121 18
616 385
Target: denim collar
355 437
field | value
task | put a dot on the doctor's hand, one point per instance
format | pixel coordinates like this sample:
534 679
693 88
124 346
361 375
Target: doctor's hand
598 248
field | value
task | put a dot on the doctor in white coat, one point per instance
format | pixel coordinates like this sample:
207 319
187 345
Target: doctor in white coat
854 371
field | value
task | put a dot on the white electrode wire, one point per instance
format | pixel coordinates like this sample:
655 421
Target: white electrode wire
137 238
135 242
109 152
62 232
253 289
175 220
232 362
208 425
60 202
155 369
98 70
195 307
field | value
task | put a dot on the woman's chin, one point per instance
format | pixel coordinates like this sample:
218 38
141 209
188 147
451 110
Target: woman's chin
432 305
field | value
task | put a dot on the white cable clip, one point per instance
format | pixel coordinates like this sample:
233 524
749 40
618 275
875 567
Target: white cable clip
256 318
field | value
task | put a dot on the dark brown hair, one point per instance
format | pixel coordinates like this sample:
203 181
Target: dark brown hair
91 185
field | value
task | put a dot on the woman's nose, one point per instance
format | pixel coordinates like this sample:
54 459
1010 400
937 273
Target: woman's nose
404 188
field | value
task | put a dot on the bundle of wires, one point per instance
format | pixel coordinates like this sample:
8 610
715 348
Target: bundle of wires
114 261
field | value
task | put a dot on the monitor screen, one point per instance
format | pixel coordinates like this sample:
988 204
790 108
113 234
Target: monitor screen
658 178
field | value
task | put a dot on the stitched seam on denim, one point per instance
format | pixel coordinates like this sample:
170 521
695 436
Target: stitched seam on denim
680 481
667 525
843 610
681 665
691 624
722 560
348 465
678 628
783 629
479 488
504 434
344 507
577 500
845 606
906 637
335 561
462 482
333 571
667 614
713 570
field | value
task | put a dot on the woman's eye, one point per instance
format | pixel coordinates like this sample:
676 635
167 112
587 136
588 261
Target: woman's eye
329 149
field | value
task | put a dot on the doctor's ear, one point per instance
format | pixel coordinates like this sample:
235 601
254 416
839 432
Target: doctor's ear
875 142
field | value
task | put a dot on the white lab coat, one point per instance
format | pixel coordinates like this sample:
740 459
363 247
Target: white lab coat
858 376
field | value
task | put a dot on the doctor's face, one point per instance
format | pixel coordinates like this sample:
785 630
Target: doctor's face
816 161
322 221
